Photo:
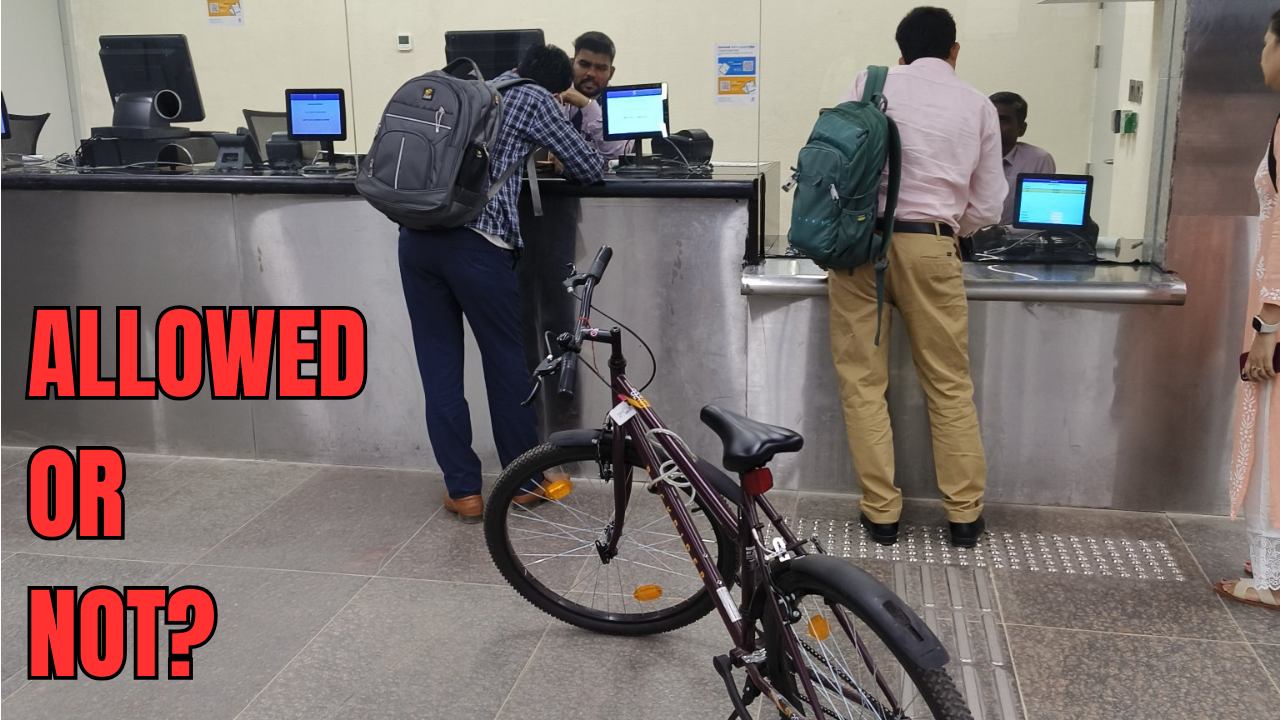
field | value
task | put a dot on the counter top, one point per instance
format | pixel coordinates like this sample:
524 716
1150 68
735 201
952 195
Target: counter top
1102 283
720 182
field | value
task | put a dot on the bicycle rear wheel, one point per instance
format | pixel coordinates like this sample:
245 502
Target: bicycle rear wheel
548 553
855 672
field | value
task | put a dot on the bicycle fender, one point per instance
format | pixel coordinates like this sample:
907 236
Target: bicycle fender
873 603
589 437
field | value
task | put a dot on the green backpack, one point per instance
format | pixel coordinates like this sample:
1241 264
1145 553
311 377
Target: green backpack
837 185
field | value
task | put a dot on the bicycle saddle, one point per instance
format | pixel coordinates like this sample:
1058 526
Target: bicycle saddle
748 444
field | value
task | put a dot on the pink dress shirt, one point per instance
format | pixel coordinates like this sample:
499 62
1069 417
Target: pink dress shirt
952 167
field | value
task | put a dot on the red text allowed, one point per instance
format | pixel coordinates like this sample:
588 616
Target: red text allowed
235 348
68 634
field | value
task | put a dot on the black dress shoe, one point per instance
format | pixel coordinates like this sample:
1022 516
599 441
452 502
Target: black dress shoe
883 533
967 534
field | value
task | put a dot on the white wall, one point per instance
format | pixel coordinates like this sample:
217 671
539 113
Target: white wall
652 47
810 53
35 79
1143 26
283 43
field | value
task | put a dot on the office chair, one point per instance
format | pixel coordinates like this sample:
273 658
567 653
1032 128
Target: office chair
24 131
261 124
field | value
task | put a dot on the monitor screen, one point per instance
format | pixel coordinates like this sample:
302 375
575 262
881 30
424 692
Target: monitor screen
634 112
493 51
316 114
1050 202
4 119
149 64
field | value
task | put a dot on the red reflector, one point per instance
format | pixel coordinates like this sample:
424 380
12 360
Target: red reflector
757 481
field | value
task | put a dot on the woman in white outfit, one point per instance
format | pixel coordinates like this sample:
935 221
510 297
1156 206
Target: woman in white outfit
1255 463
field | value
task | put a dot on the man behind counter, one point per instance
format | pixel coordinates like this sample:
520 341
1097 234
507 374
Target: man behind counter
1019 157
593 54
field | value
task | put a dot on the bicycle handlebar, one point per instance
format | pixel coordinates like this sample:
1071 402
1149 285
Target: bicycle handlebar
569 361
601 262
568 375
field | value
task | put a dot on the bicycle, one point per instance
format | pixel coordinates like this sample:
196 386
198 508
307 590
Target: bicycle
560 521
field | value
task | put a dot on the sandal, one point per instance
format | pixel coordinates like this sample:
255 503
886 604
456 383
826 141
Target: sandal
1240 593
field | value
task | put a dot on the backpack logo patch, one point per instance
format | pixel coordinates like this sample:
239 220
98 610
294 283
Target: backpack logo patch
427 93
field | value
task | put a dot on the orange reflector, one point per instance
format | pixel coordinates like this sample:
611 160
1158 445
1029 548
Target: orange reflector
646 593
818 629
559 488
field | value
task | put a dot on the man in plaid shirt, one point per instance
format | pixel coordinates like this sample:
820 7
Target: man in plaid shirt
470 271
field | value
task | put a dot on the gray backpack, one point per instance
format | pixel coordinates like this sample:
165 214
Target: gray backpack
428 166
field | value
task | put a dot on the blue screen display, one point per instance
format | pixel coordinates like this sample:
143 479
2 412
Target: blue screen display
1052 202
638 111
315 114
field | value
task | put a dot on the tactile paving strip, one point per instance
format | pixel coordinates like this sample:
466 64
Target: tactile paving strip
1037 552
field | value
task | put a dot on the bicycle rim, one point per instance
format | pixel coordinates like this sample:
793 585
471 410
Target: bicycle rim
548 552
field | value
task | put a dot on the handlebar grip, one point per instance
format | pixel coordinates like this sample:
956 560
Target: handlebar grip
568 376
601 262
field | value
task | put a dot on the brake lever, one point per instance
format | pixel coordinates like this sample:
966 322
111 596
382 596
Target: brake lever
537 385
549 366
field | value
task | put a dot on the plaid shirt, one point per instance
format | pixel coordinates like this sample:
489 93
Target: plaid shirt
531 118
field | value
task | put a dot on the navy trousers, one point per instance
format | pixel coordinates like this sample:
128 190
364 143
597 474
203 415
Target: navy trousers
448 274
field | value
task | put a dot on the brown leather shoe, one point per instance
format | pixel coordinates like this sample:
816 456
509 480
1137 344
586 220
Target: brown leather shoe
469 509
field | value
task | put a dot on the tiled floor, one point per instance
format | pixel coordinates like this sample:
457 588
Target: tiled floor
349 593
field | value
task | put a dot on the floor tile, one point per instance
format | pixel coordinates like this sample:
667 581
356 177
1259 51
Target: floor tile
1220 546
22 571
206 501
10 456
265 618
663 676
409 648
146 484
348 520
445 549
1270 656
1171 608
13 683
1067 675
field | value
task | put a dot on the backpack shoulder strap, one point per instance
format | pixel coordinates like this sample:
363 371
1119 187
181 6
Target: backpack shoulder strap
873 90
890 209
500 85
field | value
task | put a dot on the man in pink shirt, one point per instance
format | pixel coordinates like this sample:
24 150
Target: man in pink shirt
952 184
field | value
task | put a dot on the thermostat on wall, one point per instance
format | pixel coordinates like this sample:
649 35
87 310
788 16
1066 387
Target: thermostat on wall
404 42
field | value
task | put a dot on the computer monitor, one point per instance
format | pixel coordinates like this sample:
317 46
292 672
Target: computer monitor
494 51
316 114
634 112
4 119
1053 202
152 83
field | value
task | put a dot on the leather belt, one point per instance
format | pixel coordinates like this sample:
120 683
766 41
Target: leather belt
923 228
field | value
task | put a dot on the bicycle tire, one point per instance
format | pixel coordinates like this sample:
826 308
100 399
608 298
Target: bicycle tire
934 685
500 509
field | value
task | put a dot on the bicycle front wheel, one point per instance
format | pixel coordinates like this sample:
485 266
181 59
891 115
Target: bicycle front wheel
854 673
547 551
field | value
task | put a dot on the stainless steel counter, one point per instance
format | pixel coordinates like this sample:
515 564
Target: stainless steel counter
1112 284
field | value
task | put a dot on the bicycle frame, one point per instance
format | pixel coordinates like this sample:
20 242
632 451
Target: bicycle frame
758 593
633 416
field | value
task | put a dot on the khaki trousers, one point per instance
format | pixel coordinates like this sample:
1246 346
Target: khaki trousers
925 283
